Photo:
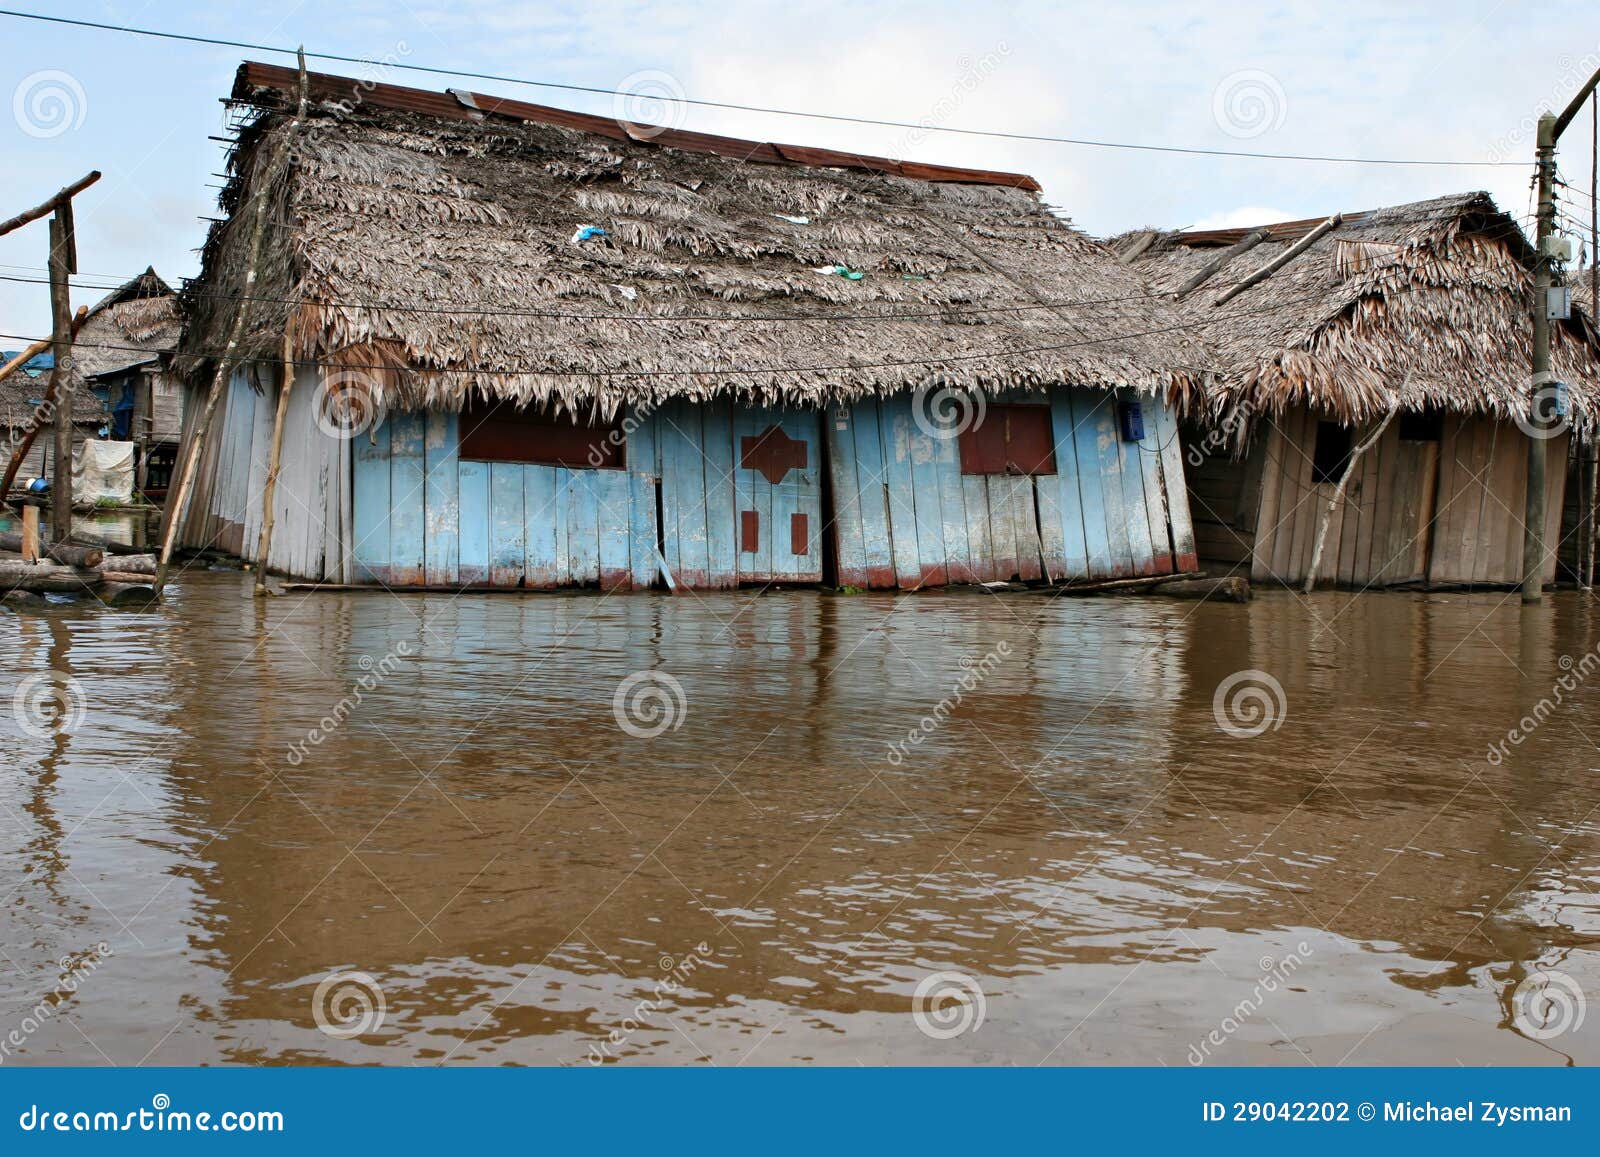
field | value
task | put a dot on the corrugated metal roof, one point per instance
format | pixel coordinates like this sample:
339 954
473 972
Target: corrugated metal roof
255 79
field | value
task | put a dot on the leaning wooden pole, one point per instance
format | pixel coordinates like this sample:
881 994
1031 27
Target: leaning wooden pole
1338 496
274 461
61 386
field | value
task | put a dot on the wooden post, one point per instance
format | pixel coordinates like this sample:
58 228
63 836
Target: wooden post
61 244
41 419
1338 495
1588 495
1533 509
30 533
274 460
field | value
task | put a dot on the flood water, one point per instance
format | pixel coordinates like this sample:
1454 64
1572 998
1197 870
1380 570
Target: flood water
436 792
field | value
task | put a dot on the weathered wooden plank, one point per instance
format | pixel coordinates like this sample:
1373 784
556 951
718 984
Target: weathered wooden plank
922 452
408 493
1471 495
717 467
872 494
441 550
804 524
1148 450
610 489
372 510
583 522
542 501
1555 494
1069 487
1264 540
956 545
975 504
507 525
897 428
472 499
684 481
847 535
1104 539
643 470
1135 510
1002 529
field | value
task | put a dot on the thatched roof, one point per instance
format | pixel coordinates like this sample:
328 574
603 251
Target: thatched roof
410 223
1429 304
133 325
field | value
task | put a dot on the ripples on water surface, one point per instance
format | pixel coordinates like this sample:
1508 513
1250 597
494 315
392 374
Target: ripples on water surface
517 873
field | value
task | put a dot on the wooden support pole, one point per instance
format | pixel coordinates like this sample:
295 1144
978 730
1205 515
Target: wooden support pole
274 460
1338 495
61 387
50 205
1533 509
30 533
1215 265
1283 258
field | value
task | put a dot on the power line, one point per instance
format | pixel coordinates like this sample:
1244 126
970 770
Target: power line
837 117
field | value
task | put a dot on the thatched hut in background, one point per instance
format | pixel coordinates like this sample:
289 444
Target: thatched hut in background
1423 309
123 386
576 350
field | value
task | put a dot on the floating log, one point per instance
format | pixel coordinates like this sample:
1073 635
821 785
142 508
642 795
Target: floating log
127 594
63 552
126 576
1228 589
110 546
46 576
23 600
131 564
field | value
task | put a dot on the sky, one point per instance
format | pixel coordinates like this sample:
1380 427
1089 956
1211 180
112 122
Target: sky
1462 80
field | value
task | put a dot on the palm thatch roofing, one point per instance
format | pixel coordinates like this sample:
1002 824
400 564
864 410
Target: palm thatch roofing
1427 304
135 324
451 243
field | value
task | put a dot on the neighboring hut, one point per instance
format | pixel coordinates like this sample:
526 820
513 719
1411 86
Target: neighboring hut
578 351
123 387
1424 308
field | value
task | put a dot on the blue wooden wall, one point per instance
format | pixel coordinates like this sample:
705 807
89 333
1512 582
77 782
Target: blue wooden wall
907 517
903 513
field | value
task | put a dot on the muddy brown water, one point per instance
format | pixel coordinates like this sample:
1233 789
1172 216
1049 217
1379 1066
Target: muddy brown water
1027 808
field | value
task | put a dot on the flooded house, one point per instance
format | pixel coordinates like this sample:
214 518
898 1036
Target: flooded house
1418 314
539 348
123 386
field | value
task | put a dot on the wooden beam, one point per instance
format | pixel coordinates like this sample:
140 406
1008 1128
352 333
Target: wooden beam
45 208
1212 267
1283 258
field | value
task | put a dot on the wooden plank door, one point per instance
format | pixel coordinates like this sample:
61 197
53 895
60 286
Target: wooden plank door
777 514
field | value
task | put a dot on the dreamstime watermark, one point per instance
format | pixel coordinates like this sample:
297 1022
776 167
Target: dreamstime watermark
603 451
1249 703
348 1004
1549 414
971 73
1577 672
1222 434
348 403
649 102
948 1004
74 971
372 75
1570 72
373 675
649 703
1275 974
945 412
1548 1004
675 973
1249 103
48 703
974 672
48 103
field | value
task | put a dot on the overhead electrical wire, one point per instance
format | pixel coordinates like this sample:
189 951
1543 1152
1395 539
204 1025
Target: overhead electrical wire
596 90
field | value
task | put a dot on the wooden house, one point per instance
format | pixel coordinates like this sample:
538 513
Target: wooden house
1321 328
538 348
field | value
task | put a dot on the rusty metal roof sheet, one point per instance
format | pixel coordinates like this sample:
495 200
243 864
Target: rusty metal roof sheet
254 80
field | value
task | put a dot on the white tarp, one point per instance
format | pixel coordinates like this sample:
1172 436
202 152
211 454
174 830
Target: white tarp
103 470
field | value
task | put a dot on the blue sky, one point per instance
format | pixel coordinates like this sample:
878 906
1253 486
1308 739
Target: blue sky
1457 80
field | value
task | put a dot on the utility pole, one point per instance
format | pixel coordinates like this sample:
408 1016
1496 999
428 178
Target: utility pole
61 265
1533 545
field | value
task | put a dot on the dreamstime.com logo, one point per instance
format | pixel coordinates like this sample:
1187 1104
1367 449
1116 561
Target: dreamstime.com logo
1249 103
649 703
48 103
1547 1004
948 1004
1249 703
47 703
348 1005
349 403
1548 414
946 412
649 102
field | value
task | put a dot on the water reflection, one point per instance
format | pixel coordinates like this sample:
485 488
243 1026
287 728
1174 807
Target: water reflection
435 792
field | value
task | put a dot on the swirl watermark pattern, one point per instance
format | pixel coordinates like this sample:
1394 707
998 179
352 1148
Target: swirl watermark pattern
74 971
1548 1004
349 403
649 102
1249 103
373 673
1275 974
348 1004
1548 414
47 703
649 703
48 103
674 976
948 1004
973 673
1576 673
946 412
1249 703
